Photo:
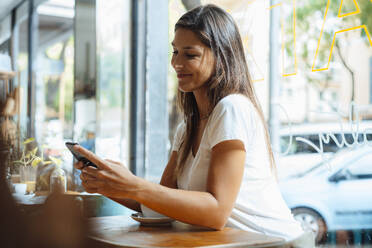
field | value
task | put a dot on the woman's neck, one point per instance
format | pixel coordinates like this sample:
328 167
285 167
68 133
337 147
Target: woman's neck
202 102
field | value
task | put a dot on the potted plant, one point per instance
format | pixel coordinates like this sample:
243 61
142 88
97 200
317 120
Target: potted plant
28 162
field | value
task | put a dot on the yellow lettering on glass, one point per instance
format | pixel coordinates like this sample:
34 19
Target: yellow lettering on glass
357 10
276 5
334 36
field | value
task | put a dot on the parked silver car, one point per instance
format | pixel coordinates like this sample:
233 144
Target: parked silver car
301 156
335 194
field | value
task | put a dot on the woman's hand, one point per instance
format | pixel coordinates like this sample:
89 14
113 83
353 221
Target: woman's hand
111 178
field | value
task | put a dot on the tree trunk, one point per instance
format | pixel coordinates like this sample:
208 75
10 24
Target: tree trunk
352 74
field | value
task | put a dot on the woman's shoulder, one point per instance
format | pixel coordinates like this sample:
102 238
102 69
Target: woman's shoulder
233 118
178 136
234 101
181 127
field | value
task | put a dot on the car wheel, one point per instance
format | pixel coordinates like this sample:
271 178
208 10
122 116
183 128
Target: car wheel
311 220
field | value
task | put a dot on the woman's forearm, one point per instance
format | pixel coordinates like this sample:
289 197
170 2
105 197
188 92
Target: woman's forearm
129 203
193 207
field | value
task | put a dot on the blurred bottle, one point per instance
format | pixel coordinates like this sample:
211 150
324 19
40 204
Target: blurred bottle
58 180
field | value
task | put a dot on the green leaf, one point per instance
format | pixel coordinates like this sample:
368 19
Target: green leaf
17 162
29 140
34 151
36 161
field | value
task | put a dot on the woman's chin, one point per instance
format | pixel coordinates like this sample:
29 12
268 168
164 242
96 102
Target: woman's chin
184 88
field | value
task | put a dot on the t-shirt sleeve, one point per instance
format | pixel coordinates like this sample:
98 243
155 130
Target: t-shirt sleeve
233 119
178 137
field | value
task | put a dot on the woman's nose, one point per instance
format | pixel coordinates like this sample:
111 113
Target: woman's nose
177 64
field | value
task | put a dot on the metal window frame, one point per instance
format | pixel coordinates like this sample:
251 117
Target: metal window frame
148 103
370 80
32 43
137 125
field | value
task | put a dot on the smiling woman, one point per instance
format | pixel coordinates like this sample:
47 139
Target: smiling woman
221 170
191 60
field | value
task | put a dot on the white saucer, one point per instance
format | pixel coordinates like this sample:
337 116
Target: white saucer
151 221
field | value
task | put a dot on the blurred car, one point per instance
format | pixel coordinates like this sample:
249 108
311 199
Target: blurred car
301 156
333 195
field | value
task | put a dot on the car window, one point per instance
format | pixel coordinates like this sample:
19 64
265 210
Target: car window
285 142
362 168
331 146
298 146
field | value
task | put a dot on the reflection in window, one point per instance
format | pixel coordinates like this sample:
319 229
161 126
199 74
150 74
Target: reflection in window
362 168
21 61
112 69
54 82
300 147
323 97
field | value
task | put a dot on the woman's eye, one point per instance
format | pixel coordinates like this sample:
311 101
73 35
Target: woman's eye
175 52
191 55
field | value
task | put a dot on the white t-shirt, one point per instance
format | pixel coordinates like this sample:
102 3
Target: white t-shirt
259 206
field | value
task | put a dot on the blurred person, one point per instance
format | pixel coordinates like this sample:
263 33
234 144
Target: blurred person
57 223
12 223
221 171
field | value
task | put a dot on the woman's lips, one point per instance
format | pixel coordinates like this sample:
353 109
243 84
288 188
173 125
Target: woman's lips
183 75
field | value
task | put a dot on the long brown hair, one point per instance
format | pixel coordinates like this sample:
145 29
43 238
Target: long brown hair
217 30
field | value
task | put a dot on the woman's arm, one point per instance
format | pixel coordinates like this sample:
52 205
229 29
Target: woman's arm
167 180
129 203
210 209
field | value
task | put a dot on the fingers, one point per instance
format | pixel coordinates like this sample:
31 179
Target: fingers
79 165
89 189
93 184
85 177
114 162
90 183
86 183
91 157
92 171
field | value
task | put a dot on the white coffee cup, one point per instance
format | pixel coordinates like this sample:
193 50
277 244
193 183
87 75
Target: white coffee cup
20 188
147 212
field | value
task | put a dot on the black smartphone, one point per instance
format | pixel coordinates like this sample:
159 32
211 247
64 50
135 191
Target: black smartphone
78 156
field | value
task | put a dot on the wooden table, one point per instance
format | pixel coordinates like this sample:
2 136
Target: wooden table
93 204
122 231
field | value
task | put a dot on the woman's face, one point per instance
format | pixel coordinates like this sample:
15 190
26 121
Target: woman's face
192 60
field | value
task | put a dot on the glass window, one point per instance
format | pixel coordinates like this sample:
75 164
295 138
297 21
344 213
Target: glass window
362 168
54 81
113 49
5 32
20 53
324 64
